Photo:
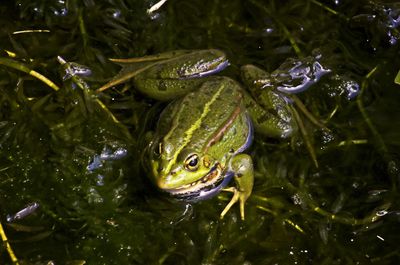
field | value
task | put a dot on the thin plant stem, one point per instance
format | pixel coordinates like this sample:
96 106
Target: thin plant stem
8 246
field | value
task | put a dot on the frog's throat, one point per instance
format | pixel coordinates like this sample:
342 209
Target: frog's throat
204 188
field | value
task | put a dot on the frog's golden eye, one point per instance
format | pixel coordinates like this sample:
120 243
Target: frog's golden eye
192 162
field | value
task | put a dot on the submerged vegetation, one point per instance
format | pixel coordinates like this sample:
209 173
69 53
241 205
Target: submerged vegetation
72 187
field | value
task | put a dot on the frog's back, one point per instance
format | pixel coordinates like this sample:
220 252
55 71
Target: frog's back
209 120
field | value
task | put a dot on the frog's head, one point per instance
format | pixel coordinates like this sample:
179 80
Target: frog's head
185 173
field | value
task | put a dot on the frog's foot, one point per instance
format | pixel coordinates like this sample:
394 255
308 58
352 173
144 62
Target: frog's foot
237 196
242 165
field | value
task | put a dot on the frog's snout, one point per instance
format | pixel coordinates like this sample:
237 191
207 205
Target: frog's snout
164 182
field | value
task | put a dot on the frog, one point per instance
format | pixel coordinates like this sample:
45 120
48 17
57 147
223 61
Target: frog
199 145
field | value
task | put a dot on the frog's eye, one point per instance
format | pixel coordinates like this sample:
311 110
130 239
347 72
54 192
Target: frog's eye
192 162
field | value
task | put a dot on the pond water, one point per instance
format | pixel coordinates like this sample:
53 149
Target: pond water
72 185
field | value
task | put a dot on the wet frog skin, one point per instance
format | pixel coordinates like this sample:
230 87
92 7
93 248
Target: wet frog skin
197 148
199 143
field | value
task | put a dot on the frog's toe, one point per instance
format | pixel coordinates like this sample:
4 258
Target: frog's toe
237 196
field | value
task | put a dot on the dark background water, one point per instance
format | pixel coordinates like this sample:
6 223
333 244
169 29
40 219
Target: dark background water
346 211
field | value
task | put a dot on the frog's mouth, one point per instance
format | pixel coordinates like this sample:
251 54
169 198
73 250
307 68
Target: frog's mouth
204 188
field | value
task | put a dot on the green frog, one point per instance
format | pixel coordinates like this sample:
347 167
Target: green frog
199 143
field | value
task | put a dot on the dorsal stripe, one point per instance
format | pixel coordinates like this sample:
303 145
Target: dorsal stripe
196 125
220 132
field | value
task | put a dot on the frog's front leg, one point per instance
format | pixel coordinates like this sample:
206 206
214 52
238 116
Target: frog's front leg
242 166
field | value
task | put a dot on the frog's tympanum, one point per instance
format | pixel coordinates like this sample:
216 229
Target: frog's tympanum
199 143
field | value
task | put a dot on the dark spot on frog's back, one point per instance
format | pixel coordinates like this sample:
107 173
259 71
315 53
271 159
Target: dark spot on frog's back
263 118
185 86
274 112
229 90
204 126
162 86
